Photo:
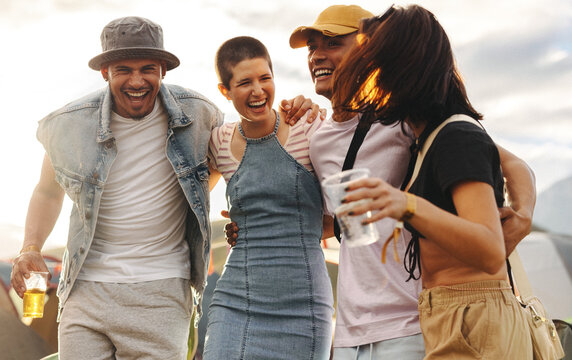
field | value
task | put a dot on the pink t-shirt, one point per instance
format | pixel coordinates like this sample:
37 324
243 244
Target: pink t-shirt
374 302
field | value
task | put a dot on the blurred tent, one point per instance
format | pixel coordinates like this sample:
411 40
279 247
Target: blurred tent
18 341
547 259
6 303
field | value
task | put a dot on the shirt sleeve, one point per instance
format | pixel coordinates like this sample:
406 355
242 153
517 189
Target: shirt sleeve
464 152
214 146
310 128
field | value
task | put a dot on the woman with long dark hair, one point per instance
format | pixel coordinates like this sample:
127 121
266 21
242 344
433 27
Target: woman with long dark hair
403 72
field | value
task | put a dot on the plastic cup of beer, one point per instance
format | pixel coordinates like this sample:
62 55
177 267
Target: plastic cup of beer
354 233
35 294
334 186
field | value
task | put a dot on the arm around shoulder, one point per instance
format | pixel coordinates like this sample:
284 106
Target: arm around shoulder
521 187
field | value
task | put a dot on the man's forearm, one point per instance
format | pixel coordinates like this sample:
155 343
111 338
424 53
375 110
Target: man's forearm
517 216
520 183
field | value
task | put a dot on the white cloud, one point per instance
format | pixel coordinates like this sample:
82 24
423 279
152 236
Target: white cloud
554 56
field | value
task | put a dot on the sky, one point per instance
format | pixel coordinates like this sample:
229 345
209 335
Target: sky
515 57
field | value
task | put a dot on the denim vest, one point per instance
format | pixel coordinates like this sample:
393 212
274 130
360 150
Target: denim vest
81 147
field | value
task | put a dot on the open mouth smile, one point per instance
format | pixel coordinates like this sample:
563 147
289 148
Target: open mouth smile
257 104
136 95
322 72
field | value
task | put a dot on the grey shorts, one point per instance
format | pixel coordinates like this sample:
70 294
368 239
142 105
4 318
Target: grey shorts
403 348
147 320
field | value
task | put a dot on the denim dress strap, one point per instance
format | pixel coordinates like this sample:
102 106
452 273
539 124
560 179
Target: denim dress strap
266 137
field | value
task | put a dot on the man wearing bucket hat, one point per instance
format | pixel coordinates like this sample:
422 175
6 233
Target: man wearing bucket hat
132 157
377 316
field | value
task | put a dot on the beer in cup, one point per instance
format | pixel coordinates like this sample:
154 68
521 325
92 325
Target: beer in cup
34 296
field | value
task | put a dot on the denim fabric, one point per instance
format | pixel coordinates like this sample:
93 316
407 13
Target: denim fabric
81 147
274 297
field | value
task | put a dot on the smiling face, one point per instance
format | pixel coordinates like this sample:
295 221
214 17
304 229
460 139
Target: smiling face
134 85
251 90
324 54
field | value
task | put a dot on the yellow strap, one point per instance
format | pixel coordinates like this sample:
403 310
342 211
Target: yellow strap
410 208
394 236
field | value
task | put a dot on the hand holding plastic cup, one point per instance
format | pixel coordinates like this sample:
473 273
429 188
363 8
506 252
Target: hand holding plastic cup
335 185
34 296
354 233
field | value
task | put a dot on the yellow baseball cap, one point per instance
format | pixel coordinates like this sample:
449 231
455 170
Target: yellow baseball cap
336 20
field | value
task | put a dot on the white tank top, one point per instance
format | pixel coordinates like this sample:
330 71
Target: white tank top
141 223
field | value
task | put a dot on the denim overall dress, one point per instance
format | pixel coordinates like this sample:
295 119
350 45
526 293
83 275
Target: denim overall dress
274 298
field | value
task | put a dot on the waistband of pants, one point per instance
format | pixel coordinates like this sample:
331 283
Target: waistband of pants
466 292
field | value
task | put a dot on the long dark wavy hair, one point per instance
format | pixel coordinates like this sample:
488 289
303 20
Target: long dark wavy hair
402 67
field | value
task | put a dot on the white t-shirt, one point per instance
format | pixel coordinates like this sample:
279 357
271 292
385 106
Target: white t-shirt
374 302
141 223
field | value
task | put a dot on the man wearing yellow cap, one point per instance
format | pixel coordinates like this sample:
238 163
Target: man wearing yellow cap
377 316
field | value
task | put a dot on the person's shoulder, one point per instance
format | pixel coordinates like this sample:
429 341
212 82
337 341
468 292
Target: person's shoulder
463 131
329 125
223 133
191 103
226 127
461 138
397 134
303 123
90 102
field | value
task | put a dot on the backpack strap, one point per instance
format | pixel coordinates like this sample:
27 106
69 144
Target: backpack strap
357 140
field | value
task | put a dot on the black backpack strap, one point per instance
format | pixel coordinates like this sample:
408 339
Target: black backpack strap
359 135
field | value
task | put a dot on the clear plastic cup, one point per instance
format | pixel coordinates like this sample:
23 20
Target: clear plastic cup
334 186
354 233
35 294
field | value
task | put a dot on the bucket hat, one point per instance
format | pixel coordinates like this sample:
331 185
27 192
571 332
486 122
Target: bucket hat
336 20
132 38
